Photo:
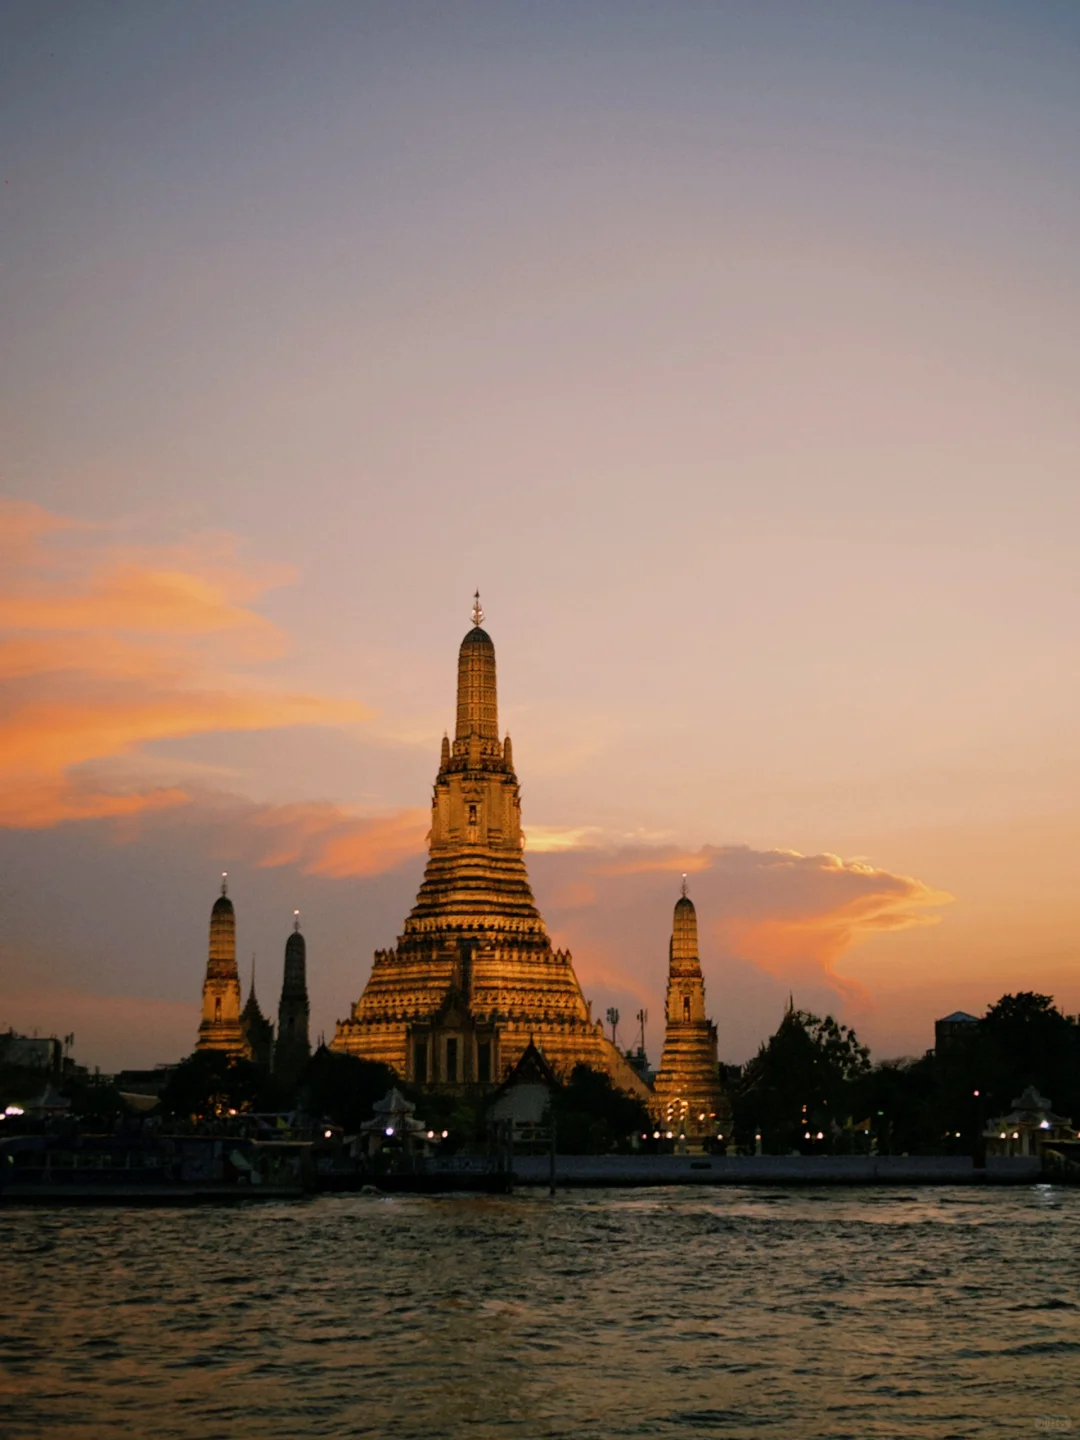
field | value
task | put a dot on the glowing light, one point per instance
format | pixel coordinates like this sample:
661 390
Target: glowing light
975 1092
14 1110
821 1135
670 1136
232 1112
1016 1134
327 1134
445 1133
389 1129
1044 1124
656 1134
431 1134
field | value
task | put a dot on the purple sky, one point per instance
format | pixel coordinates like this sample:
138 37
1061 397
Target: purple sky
731 351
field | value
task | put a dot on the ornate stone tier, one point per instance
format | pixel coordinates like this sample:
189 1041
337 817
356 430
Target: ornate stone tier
474 975
687 1090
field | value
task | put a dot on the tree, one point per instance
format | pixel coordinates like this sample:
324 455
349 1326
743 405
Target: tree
901 1099
1025 1040
801 1081
343 1088
209 1083
593 1117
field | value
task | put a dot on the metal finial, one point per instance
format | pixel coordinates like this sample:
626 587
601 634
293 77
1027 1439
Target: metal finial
684 887
253 972
477 610
224 882
296 921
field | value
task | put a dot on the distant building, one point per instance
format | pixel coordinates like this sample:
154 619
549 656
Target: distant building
143 1082
524 1097
258 1030
954 1033
221 1028
31 1052
1029 1125
292 1050
688 1094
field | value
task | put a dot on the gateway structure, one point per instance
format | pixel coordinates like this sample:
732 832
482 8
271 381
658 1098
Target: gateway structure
474 978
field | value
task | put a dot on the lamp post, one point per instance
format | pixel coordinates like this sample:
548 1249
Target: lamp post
613 1021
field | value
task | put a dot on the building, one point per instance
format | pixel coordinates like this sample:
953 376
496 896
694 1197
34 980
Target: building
1028 1127
293 1049
688 1096
32 1052
474 976
954 1033
221 1028
258 1030
524 1097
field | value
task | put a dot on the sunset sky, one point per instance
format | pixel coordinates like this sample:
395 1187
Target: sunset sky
731 350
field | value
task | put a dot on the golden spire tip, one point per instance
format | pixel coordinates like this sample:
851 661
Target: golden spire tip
477 610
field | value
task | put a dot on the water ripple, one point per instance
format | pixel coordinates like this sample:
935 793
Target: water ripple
585 1317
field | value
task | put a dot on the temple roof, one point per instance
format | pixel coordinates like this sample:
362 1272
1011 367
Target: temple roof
476 636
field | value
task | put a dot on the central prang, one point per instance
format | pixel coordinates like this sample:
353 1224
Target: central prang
473 977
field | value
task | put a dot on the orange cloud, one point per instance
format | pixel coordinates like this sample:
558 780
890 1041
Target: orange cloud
324 839
792 917
106 648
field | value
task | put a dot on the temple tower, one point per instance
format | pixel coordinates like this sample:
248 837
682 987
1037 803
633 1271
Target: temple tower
688 1093
474 974
221 1028
258 1030
293 1049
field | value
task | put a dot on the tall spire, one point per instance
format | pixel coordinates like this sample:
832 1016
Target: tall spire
224 882
687 1089
477 700
684 938
292 1051
220 1028
477 616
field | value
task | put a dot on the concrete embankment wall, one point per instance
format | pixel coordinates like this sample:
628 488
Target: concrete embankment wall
574 1170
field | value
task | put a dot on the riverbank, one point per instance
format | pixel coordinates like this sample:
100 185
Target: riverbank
572 1171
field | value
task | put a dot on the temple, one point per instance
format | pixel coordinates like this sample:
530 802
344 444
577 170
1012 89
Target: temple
688 1096
293 1049
258 1030
474 977
221 1027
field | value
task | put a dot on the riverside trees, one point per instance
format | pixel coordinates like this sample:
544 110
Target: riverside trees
812 1087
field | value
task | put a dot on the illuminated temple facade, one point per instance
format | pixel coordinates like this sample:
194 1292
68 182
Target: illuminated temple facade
221 1027
474 977
688 1096
247 1034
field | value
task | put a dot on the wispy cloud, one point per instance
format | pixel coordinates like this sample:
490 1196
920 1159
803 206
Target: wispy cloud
106 647
324 839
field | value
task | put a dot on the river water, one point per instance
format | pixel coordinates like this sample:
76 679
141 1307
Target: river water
675 1312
